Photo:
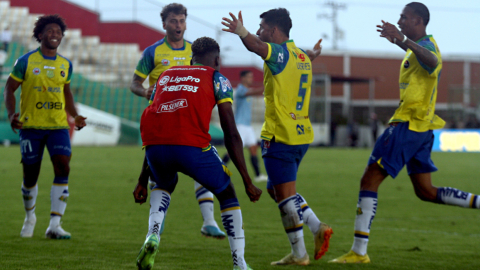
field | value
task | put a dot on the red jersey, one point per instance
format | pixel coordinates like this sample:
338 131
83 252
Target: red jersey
183 100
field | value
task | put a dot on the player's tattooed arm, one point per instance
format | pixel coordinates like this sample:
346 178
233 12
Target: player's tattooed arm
137 88
10 101
317 50
251 42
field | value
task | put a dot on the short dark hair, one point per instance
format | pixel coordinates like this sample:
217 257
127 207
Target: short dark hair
42 21
421 10
244 73
279 17
203 46
176 8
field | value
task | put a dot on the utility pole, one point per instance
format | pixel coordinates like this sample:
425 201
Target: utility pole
337 32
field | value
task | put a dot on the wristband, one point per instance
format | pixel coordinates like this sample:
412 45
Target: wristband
404 38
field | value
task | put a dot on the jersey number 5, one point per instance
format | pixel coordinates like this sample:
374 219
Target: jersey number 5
302 91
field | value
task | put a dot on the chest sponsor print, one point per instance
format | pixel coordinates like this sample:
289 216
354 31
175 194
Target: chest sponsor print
172 106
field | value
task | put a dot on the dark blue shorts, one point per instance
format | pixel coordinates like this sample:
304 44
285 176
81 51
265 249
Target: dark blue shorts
399 146
282 161
33 142
205 167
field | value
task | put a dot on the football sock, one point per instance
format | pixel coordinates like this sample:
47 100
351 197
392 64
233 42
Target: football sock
366 209
233 224
226 158
159 202
205 201
58 198
452 196
29 199
254 161
309 216
292 220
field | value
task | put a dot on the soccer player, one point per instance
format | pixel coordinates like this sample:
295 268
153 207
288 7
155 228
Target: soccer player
45 79
287 131
409 138
243 118
175 133
173 50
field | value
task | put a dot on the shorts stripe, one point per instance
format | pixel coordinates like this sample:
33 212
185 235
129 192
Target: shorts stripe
226 170
363 235
230 209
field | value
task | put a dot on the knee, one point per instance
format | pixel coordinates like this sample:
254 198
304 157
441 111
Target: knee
426 194
61 166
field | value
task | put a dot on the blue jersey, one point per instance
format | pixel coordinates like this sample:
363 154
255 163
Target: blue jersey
243 109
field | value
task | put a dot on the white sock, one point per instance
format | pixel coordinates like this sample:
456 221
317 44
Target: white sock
453 196
29 200
58 198
159 203
309 216
292 220
233 224
205 201
366 209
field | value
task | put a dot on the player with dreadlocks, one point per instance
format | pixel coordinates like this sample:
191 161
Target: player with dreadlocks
44 77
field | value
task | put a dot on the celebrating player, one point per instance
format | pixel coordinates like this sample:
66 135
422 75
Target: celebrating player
243 118
175 133
45 79
409 138
173 50
287 131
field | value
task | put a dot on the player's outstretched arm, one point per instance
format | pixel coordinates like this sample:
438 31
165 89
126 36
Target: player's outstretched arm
140 193
251 42
10 101
137 88
317 50
234 145
70 108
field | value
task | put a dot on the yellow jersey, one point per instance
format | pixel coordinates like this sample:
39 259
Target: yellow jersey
418 90
287 80
42 100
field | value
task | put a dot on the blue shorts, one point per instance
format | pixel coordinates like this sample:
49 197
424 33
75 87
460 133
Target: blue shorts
282 161
399 146
205 167
33 142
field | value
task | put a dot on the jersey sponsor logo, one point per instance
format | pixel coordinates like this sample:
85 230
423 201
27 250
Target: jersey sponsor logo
165 62
164 80
63 66
48 67
49 105
50 74
406 64
225 84
172 106
280 58
62 73
185 79
300 129
179 58
36 71
180 87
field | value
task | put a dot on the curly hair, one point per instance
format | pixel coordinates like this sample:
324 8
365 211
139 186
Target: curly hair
177 9
203 46
48 19
279 17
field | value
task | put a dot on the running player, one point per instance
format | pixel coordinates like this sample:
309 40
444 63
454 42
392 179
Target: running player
243 118
44 77
287 131
409 138
187 95
174 50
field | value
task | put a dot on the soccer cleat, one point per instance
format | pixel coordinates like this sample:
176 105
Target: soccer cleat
57 233
290 259
236 267
28 227
322 240
261 178
212 231
351 257
146 256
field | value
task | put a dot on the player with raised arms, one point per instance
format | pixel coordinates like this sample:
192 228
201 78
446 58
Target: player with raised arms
409 138
287 131
44 77
174 131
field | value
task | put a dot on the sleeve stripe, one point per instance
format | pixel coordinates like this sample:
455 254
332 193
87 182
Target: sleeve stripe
140 74
269 52
15 78
225 100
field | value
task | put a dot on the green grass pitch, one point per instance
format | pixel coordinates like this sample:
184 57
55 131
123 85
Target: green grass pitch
108 228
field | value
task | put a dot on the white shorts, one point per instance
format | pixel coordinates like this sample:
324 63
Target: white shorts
247 134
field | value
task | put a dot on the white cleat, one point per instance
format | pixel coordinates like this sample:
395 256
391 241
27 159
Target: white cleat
261 178
28 227
57 233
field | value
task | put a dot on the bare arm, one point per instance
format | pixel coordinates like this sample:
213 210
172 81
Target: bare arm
390 32
234 145
140 193
251 42
317 49
9 95
137 88
70 108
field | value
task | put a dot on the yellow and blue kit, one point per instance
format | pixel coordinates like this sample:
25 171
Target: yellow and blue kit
287 81
161 56
42 100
